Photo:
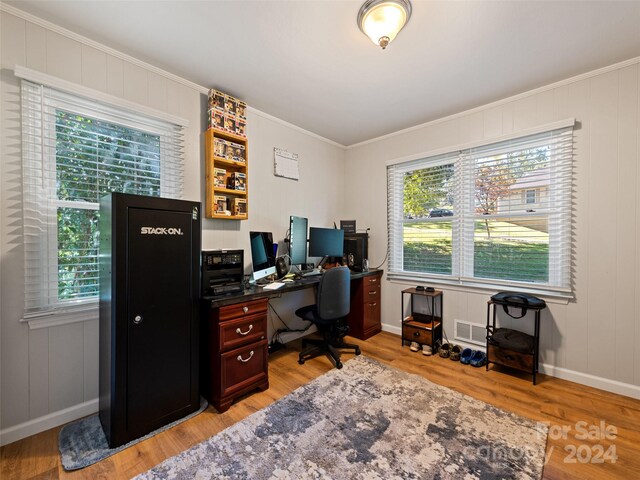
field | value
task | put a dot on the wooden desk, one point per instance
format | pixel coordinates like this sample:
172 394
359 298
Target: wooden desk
234 344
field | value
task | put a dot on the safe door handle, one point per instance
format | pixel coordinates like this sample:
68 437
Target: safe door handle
240 359
240 332
137 319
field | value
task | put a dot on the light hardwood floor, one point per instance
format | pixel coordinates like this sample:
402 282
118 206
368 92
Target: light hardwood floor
558 402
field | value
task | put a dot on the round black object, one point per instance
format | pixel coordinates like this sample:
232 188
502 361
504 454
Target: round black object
419 288
430 289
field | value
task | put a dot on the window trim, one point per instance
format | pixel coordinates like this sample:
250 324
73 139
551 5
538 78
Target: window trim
409 163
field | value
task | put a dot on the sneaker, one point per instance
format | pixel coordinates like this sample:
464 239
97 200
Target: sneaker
465 356
445 350
426 350
455 353
478 359
415 346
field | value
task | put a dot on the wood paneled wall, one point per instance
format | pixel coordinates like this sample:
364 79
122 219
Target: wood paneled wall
595 338
50 375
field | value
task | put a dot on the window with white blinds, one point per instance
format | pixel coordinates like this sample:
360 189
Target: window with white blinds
498 214
74 152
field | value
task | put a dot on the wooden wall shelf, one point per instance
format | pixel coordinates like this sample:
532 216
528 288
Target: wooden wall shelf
214 162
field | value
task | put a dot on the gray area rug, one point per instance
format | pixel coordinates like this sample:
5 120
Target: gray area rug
368 421
83 443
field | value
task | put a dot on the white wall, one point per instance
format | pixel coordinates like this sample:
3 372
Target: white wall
50 375
594 339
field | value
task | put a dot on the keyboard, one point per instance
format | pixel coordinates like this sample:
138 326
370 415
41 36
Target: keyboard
311 273
273 286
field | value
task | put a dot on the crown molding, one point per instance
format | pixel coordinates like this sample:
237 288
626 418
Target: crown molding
147 66
497 103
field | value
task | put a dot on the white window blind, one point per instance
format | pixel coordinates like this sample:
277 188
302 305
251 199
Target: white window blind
498 214
74 152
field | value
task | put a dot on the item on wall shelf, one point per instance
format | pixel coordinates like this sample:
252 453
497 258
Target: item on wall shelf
285 164
239 206
221 205
237 181
226 113
235 152
219 179
220 147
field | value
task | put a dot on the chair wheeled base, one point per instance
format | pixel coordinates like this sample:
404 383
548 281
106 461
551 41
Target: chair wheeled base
312 347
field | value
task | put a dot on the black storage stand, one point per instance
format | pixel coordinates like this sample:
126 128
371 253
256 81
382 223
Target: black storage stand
513 348
425 329
149 293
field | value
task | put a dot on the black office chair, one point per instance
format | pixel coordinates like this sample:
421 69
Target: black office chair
329 315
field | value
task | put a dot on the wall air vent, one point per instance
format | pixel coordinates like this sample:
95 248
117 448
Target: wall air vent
470 332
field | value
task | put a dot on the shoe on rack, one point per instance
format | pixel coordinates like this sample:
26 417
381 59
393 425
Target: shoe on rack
445 350
426 350
465 356
478 359
415 346
455 353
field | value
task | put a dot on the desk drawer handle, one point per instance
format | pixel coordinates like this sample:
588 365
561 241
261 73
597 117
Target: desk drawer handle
373 280
373 304
240 332
245 309
240 359
375 292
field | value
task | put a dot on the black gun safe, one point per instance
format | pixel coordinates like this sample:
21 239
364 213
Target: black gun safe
149 294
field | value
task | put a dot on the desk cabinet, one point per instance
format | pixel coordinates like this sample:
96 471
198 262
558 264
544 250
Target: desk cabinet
364 317
235 346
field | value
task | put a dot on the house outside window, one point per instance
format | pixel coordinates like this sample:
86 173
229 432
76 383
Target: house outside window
530 196
75 151
509 215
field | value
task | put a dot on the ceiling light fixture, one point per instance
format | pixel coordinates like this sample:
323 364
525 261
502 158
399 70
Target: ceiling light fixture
381 20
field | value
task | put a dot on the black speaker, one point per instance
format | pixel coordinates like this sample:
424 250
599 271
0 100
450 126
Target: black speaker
356 246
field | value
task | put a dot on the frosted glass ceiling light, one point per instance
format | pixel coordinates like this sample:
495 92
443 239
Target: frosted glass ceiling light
381 20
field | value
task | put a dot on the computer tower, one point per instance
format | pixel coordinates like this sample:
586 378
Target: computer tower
149 295
356 246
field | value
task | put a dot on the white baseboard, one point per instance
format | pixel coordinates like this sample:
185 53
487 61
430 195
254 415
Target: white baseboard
613 386
51 420
37 425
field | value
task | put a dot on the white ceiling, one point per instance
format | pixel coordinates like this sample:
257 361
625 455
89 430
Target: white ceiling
307 62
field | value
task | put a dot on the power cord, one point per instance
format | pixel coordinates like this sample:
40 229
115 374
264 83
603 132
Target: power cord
287 329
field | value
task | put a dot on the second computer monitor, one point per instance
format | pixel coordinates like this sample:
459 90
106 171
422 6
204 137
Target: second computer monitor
326 242
298 240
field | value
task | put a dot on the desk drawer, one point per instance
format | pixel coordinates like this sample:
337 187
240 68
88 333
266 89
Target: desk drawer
243 309
241 331
242 367
372 280
371 315
509 358
371 292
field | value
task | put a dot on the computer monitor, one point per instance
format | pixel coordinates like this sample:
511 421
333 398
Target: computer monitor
298 240
262 254
326 242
